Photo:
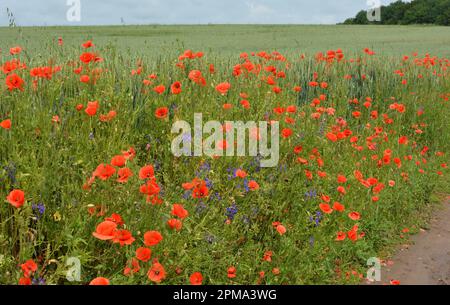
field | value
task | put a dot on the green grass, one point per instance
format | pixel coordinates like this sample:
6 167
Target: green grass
232 39
50 162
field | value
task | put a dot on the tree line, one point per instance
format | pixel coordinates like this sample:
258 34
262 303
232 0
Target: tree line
415 12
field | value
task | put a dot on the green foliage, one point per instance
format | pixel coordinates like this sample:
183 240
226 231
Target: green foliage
415 12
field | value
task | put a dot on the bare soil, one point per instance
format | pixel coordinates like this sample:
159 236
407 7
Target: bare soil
426 261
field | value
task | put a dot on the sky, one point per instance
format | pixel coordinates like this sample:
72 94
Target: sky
111 12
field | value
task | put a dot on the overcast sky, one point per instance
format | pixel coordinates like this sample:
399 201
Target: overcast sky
108 12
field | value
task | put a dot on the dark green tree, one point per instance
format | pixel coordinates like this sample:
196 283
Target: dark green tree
414 12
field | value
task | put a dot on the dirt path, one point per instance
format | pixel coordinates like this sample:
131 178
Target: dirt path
427 260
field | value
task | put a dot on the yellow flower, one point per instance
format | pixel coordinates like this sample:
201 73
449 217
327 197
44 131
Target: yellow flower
57 216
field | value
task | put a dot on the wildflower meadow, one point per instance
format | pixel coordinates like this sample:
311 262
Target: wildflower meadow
93 193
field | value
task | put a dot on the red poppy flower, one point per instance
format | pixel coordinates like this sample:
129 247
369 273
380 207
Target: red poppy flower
78 70
16 198
231 272
152 238
13 81
29 267
147 82
56 119
403 140
143 254
118 161
15 50
108 117
354 216
105 230
6 124
159 89
99 281
124 174
298 149
270 81
279 110
223 88
332 137
267 256
179 211
151 189
341 190
147 172
353 233
340 236
161 113
341 179
123 237
286 133
115 218
189 185
87 44
87 57
281 229
24 281
325 198
240 173
92 108
325 207
200 191
308 174
276 90
196 278
104 171
253 185
196 77
156 273
175 88
338 207
129 154
245 104
12 65
134 267
291 109
175 224
85 79
321 174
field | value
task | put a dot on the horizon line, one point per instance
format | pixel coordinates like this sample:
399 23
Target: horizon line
174 24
